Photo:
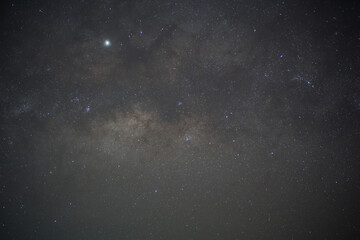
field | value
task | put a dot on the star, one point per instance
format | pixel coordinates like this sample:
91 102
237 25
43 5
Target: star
107 43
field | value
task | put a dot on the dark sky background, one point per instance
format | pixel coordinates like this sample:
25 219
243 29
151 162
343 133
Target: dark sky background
180 120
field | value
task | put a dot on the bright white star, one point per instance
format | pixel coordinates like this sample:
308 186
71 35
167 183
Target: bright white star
107 43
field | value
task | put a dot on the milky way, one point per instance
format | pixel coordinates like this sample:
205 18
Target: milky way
180 120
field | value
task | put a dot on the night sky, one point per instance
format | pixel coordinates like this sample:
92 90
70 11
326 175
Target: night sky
180 120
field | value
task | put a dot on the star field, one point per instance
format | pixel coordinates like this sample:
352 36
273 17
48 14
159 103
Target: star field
180 120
